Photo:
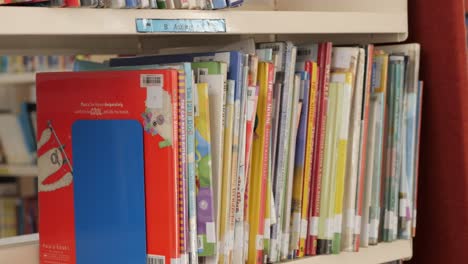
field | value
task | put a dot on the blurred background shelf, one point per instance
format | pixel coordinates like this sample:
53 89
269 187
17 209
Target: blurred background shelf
17 78
18 170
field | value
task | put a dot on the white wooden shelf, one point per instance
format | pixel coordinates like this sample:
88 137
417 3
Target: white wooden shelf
24 249
17 78
20 249
111 31
18 170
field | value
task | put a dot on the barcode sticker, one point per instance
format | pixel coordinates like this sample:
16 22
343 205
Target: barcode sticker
210 232
357 225
338 223
403 206
148 80
329 228
304 224
350 218
374 228
155 259
314 226
154 89
267 228
200 242
259 242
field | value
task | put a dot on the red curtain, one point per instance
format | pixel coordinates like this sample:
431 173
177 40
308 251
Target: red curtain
442 227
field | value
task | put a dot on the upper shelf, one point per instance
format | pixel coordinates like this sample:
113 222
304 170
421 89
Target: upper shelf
109 31
17 78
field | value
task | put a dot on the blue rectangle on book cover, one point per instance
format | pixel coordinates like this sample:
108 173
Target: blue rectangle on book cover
109 194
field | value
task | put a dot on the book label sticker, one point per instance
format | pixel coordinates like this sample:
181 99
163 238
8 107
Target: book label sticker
303 232
314 226
357 225
149 25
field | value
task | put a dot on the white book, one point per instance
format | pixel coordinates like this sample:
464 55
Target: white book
290 168
13 142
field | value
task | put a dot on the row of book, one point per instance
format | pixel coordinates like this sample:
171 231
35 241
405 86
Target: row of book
154 4
18 136
261 156
22 64
18 208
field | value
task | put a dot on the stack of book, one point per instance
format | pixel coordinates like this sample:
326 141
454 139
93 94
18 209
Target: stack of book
154 4
273 154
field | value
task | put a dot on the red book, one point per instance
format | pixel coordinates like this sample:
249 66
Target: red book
363 147
324 62
148 96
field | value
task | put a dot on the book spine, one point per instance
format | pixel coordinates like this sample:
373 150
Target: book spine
175 157
241 175
161 4
416 158
378 98
206 229
300 180
182 184
324 61
258 184
225 234
191 178
311 68
342 155
290 165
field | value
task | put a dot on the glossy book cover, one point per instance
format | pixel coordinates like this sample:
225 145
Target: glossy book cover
147 96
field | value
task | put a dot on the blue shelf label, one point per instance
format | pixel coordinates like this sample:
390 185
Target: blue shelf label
144 25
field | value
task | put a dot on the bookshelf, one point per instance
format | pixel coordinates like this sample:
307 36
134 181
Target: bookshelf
24 249
106 31
18 170
17 78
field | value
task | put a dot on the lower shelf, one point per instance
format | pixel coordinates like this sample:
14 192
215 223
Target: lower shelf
25 250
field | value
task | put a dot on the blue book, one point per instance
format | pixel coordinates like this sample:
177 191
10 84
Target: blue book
84 65
219 4
132 3
234 3
27 126
109 191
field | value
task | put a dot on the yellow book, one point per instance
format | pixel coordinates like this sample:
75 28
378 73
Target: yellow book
226 236
308 159
343 117
259 169
327 194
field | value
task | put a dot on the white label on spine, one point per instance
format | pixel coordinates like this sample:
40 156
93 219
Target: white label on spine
357 225
341 59
267 228
210 232
414 218
259 242
387 220
304 224
338 223
350 218
314 226
403 206
329 228
395 222
285 244
374 228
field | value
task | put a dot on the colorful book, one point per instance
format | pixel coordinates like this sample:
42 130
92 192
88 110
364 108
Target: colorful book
343 118
285 54
313 246
312 69
206 229
295 108
326 218
158 123
416 158
375 141
347 60
364 185
259 168
17 142
299 167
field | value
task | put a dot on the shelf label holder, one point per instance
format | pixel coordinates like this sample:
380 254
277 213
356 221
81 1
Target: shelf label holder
150 25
